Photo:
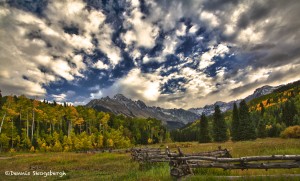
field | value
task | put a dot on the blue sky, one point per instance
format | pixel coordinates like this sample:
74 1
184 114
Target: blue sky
173 54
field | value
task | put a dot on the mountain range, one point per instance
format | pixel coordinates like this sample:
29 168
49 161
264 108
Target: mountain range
172 118
225 106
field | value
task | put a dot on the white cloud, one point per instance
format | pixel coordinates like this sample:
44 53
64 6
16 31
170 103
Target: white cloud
100 65
28 56
210 18
134 85
193 29
63 97
60 97
96 95
169 46
250 35
106 45
181 30
143 33
206 58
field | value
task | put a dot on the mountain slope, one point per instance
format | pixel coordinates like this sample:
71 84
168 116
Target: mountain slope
225 106
119 104
173 118
271 113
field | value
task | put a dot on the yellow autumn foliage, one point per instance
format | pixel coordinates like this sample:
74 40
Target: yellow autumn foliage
291 132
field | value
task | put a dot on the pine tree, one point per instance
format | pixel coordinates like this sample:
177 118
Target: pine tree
204 134
219 126
246 125
288 112
235 123
261 130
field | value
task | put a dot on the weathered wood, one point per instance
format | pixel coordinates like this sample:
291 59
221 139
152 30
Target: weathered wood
226 166
242 159
181 164
150 155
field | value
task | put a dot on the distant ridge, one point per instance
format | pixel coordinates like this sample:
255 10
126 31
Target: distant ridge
119 104
173 118
225 106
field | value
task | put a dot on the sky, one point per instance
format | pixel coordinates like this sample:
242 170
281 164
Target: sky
167 53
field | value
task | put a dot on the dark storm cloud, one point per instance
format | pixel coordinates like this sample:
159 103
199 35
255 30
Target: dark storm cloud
257 11
244 88
280 26
219 4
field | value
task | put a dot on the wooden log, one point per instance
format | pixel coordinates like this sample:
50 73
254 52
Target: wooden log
216 153
159 160
242 159
212 153
226 166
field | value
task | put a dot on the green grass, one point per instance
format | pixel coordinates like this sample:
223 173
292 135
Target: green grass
114 166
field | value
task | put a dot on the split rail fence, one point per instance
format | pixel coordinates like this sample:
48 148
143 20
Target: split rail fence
183 164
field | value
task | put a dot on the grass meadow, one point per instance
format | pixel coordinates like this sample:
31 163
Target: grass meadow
116 166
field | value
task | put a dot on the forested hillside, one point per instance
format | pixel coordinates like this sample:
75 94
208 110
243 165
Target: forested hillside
266 116
28 124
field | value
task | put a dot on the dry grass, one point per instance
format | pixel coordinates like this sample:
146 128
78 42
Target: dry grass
113 166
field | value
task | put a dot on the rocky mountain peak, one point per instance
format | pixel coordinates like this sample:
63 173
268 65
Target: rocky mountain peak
119 104
120 97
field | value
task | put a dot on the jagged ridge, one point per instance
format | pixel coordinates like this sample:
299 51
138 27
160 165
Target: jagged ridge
119 104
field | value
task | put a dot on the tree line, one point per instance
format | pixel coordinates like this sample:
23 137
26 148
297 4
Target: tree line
267 116
31 125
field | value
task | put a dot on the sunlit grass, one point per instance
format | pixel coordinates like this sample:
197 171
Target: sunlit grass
114 166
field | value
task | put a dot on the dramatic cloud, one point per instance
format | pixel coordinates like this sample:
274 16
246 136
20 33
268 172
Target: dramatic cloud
167 53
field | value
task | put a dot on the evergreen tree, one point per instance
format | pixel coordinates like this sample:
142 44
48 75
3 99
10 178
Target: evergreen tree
261 130
235 123
288 112
219 126
246 125
204 134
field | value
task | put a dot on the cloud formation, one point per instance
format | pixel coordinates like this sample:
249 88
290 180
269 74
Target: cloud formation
170 54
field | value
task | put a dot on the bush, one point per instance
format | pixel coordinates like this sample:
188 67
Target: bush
57 147
291 132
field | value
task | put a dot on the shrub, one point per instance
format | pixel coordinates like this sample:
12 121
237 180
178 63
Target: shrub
291 132
32 149
57 147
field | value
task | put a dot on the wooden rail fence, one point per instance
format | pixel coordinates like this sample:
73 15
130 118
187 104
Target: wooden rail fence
152 155
149 155
182 164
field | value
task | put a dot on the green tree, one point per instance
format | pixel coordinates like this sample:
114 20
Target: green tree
246 125
8 110
288 112
204 133
4 142
235 123
219 126
261 129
